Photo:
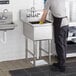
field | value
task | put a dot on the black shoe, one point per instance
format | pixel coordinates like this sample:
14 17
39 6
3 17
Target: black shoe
62 68
57 67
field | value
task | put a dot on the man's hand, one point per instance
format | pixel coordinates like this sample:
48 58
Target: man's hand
43 18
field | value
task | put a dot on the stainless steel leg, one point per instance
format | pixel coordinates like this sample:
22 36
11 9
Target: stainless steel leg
49 51
40 49
26 48
35 51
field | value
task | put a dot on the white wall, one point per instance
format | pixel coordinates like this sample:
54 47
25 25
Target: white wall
14 48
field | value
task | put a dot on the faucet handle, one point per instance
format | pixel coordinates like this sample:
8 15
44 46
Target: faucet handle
33 9
37 14
5 10
4 15
28 15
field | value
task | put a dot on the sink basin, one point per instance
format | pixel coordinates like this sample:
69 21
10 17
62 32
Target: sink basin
37 22
36 31
5 27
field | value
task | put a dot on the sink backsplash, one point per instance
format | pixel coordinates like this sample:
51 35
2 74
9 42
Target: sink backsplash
6 17
28 16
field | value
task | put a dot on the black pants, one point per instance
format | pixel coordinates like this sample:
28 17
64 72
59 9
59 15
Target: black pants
60 35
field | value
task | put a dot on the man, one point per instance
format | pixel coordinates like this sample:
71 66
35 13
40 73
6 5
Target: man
60 24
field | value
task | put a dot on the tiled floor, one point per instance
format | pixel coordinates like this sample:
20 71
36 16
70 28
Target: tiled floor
20 64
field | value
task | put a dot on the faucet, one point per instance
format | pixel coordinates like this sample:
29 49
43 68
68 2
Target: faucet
33 13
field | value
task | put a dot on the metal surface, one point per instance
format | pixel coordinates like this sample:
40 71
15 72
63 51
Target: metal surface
26 48
6 20
35 52
49 51
36 32
5 27
27 15
39 48
5 17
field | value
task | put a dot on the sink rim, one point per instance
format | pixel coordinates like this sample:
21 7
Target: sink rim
37 22
38 25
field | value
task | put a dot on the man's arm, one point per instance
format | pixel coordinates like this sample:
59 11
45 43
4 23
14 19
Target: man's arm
43 18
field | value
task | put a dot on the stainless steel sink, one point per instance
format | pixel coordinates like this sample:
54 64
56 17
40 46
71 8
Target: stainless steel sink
32 29
6 21
36 31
